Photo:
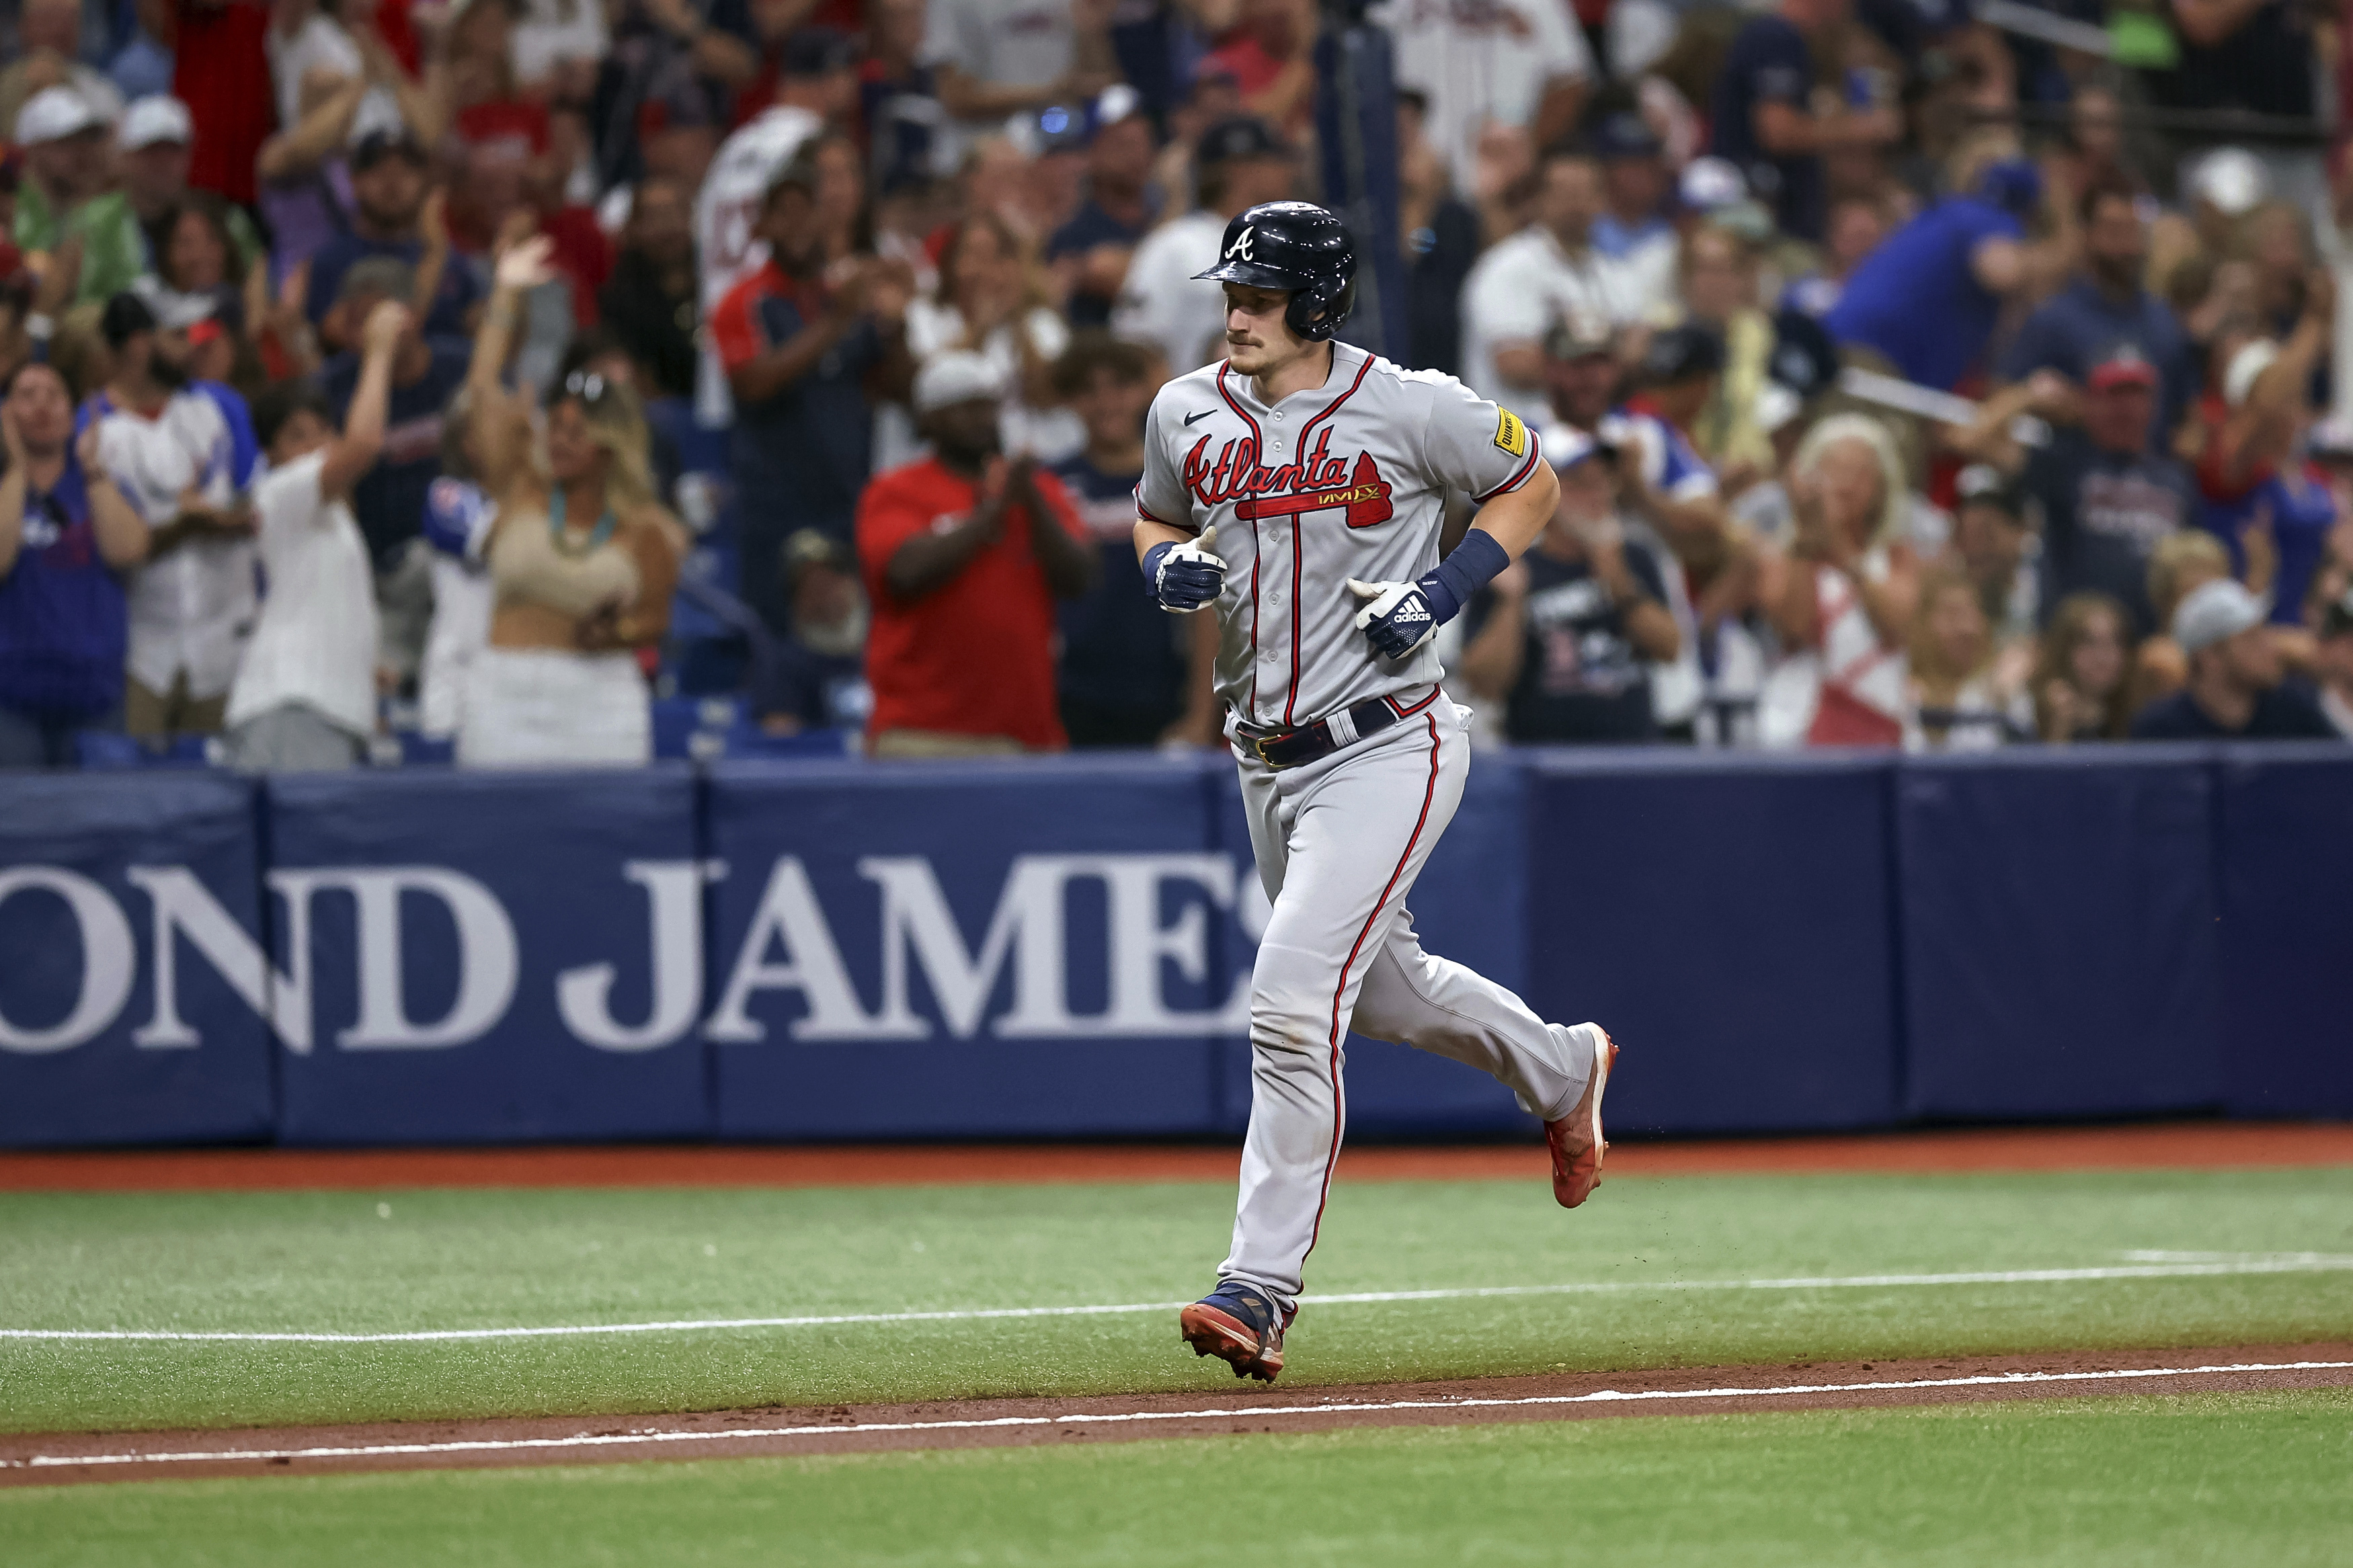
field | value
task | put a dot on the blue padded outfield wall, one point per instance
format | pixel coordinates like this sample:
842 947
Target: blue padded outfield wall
1060 947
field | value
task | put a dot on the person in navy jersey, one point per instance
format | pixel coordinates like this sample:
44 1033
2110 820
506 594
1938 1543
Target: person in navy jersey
1090 252
814 676
65 534
2107 499
1929 297
2255 481
1131 675
1565 636
1763 123
426 371
807 350
2104 306
389 190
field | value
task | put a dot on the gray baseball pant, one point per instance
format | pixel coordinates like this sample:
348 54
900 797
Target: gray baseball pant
1339 843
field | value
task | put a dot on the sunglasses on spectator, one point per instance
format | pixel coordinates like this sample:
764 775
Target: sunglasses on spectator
587 387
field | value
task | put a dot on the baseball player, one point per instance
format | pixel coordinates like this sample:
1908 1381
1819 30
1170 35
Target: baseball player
1298 486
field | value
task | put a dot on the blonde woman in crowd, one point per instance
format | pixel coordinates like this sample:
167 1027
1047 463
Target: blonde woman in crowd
1842 599
582 558
1957 702
2081 685
991 302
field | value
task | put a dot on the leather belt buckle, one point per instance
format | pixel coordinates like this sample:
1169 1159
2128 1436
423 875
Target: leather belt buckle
1259 744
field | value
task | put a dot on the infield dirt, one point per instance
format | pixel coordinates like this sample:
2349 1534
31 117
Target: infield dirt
1058 1423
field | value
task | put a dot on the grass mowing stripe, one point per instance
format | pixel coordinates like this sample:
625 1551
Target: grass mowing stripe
2286 1263
1109 1418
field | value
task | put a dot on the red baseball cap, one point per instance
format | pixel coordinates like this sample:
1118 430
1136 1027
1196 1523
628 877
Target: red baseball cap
2128 366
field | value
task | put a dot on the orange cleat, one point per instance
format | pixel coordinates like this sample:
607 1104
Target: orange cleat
1576 1139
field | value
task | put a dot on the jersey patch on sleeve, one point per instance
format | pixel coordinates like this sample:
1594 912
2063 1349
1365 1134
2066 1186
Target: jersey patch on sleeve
1511 435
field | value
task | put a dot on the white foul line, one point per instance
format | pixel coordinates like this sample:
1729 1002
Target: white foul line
1239 1412
2192 1266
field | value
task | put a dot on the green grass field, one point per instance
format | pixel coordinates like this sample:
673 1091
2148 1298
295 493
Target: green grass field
2225 1480
372 1262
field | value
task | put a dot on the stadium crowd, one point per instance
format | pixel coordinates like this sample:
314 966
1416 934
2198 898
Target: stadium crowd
484 373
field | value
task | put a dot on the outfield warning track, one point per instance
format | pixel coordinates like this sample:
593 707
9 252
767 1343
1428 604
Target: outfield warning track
991 1422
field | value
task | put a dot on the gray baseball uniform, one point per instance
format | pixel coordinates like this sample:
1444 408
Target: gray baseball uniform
1346 480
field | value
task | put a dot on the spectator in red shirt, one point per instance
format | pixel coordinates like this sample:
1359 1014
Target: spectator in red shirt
221 72
964 554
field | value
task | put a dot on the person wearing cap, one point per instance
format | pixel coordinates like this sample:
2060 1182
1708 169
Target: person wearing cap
389 189
49 45
2257 493
1238 163
2108 498
1090 254
1520 63
1992 534
154 135
964 554
173 450
1928 300
2104 307
1546 273
1568 636
1634 228
1764 121
814 676
67 535
2237 688
65 194
995 57
809 349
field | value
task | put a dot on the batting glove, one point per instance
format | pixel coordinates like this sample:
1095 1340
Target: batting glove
1396 620
1184 576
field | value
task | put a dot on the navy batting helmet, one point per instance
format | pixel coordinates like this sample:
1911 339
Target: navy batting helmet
1296 247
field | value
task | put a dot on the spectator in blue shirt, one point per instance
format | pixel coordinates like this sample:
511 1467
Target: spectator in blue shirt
1763 121
1131 674
804 348
2104 307
426 371
1928 298
389 190
1090 252
65 534
814 676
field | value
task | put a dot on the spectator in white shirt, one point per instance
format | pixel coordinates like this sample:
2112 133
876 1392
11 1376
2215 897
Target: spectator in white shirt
1237 164
174 455
1506 62
1548 272
305 699
995 57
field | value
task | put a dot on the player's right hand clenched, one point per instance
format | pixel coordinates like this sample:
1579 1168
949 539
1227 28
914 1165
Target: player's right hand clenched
1184 576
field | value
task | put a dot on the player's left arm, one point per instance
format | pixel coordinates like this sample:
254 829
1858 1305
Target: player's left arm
1472 445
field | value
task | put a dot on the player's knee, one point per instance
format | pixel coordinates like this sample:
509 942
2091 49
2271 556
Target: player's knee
1287 1019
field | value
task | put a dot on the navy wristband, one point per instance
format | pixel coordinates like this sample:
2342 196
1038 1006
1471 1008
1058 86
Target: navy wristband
1152 559
1475 564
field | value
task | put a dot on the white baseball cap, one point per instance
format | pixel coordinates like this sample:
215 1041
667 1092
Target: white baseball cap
2246 368
53 114
2215 612
955 377
154 119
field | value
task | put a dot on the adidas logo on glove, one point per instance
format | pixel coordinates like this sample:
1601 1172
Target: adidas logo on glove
1409 613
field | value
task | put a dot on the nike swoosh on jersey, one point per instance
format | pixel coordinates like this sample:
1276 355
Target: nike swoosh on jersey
1203 414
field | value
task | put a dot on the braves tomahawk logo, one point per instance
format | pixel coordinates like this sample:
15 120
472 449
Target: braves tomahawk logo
1317 482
